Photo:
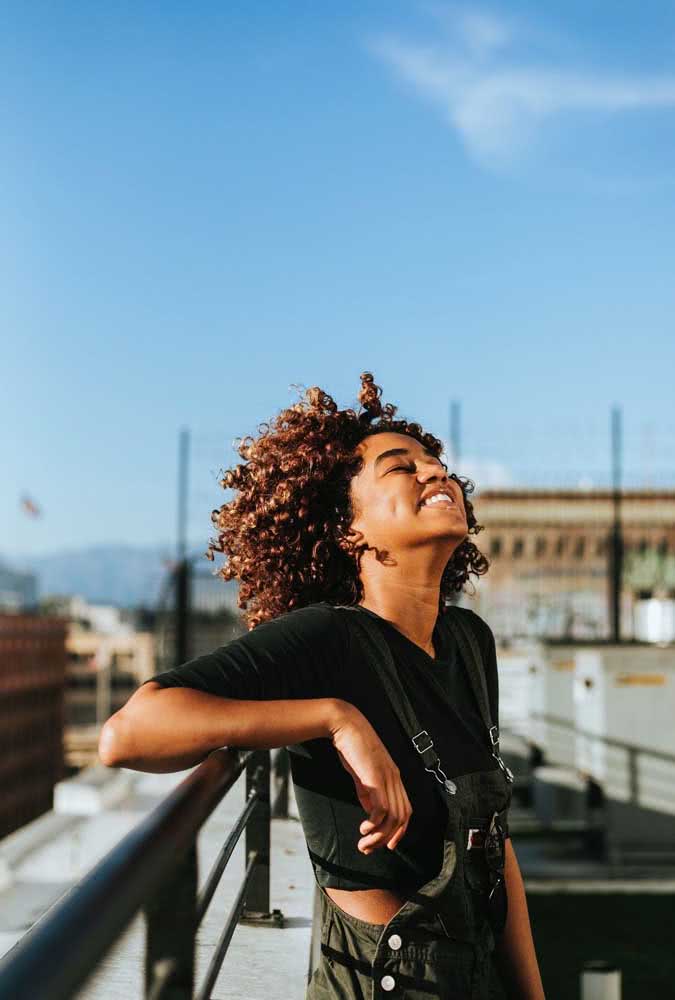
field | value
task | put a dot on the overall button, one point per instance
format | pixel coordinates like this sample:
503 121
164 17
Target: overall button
387 983
395 942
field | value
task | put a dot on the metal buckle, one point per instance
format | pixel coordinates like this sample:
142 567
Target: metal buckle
448 783
436 770
494 735
427 747
507 770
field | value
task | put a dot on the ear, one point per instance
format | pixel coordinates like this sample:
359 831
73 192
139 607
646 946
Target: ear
351 534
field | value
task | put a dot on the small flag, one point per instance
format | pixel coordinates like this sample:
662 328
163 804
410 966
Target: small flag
30 507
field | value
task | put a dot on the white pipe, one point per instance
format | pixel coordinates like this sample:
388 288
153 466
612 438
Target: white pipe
600 981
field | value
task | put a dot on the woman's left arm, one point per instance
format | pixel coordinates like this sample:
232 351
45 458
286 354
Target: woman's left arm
515 952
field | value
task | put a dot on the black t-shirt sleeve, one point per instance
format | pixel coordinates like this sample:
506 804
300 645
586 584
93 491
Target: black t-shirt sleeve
300 654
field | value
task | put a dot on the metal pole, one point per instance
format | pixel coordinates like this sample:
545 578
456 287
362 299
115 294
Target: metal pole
182 612
258 833
183 473
281 776
616 539
257 906
454 434
171 927
453 457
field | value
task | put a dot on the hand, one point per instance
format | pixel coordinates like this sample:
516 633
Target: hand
377 779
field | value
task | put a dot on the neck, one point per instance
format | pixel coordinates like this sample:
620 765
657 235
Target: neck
412 610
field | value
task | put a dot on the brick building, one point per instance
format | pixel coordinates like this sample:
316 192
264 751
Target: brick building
549 553
32 683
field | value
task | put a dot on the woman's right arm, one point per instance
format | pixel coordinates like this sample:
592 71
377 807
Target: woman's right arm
170 729
175 728
274 686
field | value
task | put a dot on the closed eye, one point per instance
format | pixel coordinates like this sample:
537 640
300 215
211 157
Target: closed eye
412 468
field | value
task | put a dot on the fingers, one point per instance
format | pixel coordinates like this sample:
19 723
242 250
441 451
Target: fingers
406 813
388 820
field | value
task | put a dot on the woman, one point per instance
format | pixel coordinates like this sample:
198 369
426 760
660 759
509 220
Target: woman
334 530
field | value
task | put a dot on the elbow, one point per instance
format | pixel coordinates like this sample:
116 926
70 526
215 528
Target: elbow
118 741
109 749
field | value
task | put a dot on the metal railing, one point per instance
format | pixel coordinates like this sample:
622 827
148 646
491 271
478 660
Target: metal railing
154 868
632 751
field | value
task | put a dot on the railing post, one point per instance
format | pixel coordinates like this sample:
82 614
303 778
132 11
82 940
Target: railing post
257 906
633 779
280 773
170 933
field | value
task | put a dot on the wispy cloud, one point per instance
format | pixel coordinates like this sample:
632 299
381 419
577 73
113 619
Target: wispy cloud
493 96
485 473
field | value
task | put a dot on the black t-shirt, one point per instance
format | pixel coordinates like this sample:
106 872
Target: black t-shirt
311 652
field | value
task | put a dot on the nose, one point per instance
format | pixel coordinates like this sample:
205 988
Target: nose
435 471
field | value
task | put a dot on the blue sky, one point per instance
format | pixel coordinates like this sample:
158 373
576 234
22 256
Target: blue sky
204 204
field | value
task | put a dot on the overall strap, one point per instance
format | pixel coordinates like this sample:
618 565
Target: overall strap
473 662
383 663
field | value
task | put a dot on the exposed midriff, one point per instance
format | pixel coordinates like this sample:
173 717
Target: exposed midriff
375 906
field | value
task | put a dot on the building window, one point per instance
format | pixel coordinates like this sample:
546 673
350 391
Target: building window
540 546
579 548
496 547
560 545
663 547
601 546
518 547
643 546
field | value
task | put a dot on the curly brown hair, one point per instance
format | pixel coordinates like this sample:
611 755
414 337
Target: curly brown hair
285 533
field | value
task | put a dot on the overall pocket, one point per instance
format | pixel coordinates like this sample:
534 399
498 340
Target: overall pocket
480 883
476 871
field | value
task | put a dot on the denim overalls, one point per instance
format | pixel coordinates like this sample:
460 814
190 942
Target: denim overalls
440 942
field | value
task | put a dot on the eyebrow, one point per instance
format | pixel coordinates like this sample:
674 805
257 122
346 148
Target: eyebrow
401 451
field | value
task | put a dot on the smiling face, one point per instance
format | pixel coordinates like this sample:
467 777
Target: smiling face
387 494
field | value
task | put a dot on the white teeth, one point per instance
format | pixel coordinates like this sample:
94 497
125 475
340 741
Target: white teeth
437 498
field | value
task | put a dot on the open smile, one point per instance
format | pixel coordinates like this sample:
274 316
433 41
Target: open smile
443 503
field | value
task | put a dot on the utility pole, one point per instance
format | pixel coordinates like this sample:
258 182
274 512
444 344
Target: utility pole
616 535
453 458
454 435
183 473
182 571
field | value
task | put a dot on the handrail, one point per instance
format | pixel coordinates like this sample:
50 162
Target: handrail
154 867
610 741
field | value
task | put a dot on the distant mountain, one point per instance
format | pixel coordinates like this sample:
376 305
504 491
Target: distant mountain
124 575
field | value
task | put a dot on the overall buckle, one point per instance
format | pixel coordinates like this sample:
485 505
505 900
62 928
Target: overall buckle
419 736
